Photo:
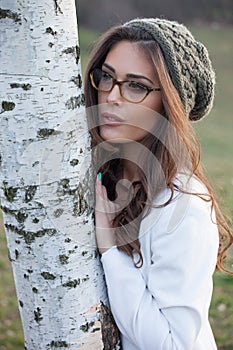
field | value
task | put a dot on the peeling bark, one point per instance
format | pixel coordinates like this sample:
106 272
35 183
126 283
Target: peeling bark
46 182
9 14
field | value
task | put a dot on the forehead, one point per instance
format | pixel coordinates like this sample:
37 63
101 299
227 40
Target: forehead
127 57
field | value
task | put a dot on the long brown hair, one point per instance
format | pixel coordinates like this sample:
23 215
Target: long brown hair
179 137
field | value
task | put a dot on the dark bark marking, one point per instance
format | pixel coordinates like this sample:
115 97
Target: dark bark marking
37 314
84 253
26 277
48 276
74 162
58 212
20 303
57 8
30 193
64 188
75 102
9 255
65 183
10 192
85 279
72 251
45 133
16 254
80 203
72 284
7 106
29 237
85 327
22 86
49 30
36 163
73 50
35 290
96 329
20 215
80 206
96 253
77 81
9 14
63 259
59 344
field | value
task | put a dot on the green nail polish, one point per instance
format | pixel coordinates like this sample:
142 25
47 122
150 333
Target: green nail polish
100 176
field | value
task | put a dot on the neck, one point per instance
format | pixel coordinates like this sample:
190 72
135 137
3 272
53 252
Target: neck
130 171
131 161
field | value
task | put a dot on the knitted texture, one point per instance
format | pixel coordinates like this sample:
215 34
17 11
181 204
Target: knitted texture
188 63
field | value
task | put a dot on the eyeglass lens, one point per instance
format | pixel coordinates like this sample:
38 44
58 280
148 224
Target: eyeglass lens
130 90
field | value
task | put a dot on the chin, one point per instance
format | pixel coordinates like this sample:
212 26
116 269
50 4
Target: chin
119 137
111 135
116 140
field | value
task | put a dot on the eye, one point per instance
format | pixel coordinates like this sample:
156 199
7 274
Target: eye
133 85
106 76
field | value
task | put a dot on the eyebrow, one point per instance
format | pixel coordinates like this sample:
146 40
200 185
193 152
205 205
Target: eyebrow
129 75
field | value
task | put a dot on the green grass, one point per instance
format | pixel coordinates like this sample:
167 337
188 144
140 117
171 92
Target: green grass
216 130
11 336
215 133
221 313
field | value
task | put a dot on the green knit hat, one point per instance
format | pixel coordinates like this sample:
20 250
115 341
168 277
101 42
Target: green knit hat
187 61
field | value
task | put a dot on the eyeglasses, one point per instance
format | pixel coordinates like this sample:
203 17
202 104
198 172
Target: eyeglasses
131 91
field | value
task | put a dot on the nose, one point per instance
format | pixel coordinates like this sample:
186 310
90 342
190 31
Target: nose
114 96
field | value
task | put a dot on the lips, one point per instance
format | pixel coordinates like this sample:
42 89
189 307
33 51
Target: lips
111 119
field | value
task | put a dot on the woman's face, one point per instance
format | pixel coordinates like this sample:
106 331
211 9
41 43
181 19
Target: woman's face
120 120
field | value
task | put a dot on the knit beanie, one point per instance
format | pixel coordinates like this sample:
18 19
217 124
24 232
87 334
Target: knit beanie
188 63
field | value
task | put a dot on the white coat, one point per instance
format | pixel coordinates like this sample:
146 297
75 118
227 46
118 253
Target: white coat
164 304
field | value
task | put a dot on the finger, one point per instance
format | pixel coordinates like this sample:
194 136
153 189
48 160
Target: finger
102 200
98 186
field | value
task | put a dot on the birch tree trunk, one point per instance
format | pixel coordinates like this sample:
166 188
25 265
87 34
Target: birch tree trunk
46 182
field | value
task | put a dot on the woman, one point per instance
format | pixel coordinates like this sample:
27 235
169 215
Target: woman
158 226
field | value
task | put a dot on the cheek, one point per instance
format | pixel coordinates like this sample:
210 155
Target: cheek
101 97
142 117
155 103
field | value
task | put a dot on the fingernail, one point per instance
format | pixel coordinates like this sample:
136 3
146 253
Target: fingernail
100 176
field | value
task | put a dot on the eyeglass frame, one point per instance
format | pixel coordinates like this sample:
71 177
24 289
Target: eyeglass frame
120 83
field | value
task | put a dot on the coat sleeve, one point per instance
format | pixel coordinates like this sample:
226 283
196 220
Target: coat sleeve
165 307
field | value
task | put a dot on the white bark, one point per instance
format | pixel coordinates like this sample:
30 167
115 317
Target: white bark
46 183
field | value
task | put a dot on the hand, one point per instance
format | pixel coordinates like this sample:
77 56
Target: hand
105 212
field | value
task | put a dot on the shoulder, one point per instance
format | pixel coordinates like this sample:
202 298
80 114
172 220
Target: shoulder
183 183
190 183
189 211
182 233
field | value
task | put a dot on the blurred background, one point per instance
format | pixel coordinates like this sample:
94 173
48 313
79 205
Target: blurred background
101 14
211 22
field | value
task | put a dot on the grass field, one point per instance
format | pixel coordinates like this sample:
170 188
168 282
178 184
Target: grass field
216 135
